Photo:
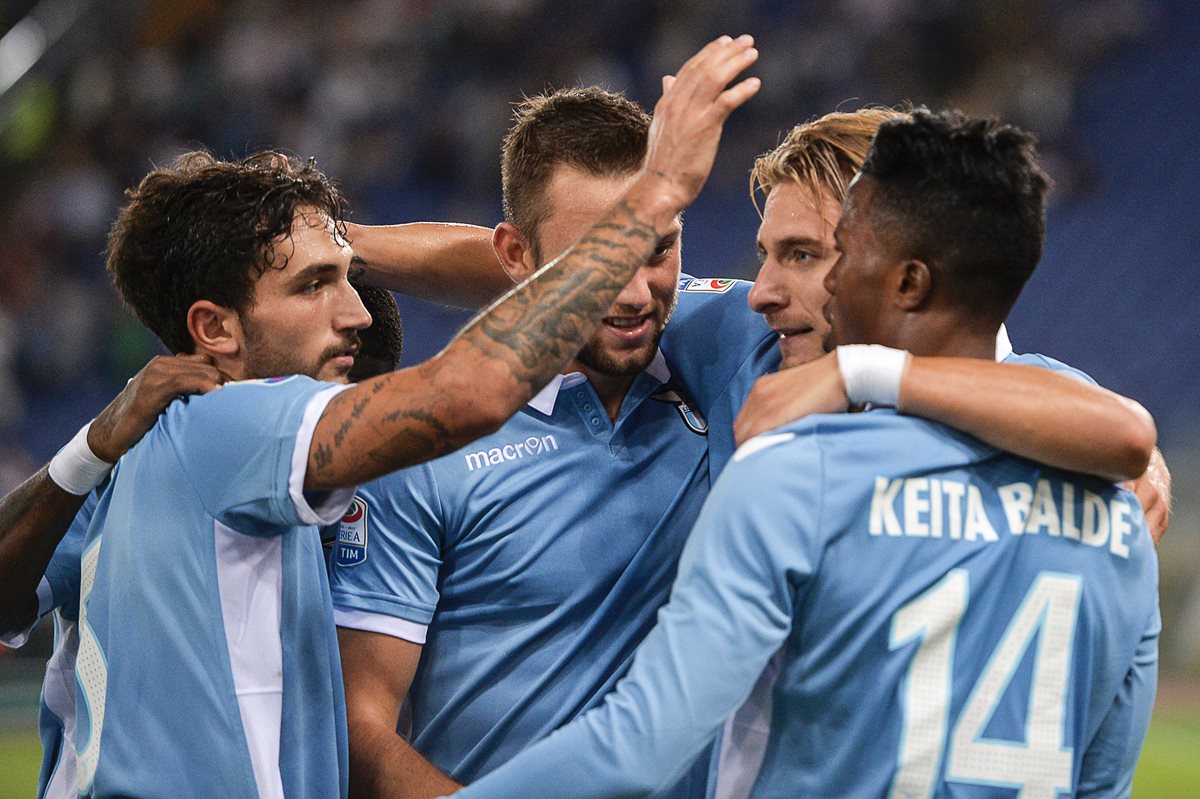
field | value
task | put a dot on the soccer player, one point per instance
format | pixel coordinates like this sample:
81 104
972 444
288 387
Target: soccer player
503 588
132 413
717 347
933 611
460 584
206 663
804 182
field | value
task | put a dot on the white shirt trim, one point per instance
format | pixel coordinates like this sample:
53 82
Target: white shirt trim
334 503
250 581
1004 347
544 400
380 623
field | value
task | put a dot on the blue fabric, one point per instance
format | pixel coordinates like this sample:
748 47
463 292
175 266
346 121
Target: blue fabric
831 541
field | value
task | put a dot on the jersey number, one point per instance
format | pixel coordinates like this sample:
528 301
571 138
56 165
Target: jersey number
1039 766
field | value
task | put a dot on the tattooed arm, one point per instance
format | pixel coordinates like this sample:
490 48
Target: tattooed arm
517 345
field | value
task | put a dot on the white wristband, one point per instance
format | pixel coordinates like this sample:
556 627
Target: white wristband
871 373
75 468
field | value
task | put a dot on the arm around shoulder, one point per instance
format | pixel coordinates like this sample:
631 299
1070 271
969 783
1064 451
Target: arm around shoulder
1033 412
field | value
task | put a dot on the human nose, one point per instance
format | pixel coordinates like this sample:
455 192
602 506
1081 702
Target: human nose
636 293
352 314
767 294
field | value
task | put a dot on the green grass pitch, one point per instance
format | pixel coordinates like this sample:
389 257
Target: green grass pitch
1169 767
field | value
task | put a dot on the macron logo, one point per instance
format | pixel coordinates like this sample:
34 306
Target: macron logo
510 452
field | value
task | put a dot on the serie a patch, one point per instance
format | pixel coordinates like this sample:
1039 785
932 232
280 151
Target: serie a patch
710 285
351 546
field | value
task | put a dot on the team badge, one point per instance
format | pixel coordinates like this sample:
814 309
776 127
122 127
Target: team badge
350 549
691 417
710 285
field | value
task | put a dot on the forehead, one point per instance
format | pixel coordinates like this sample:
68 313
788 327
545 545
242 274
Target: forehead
572 193
792 211
314 238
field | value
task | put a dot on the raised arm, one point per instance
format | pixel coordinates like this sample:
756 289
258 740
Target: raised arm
514 348
436 261
1027 410
36 515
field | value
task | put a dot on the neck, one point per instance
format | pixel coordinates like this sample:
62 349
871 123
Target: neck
949 336
611 389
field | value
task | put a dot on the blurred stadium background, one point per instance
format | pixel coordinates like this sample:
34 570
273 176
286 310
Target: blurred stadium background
405 101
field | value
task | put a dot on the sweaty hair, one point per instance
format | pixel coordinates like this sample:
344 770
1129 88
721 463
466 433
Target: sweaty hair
208 229
822 155
596 131
381 344
966 196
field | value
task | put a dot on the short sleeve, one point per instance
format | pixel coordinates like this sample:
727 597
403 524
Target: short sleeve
385 566
245 449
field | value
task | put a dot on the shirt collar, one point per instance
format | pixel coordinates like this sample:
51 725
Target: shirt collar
544 400
1004 347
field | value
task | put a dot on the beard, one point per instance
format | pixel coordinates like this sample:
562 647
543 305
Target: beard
618 362
265 357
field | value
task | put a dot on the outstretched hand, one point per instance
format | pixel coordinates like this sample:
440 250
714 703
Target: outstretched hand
135 410
792 394
689 117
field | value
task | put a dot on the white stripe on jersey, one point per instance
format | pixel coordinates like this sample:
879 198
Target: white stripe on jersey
250 576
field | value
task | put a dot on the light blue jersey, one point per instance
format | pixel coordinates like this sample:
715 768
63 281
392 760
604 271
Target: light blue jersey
529 564
58 597
207 659
933 617
716 347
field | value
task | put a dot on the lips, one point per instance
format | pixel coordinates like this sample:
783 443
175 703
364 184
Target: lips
629 328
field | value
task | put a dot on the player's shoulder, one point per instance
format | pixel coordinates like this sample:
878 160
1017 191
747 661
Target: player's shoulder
849 439
1046 362
700 288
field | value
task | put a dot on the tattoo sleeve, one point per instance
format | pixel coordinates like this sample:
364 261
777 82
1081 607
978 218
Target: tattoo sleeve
490 369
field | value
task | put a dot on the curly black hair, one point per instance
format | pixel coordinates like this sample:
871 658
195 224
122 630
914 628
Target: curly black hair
207 229
965 195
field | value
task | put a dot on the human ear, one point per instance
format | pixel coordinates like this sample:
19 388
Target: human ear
214 328
913 285
515 253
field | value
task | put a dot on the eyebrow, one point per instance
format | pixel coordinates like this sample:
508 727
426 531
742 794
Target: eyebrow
798 241
311 272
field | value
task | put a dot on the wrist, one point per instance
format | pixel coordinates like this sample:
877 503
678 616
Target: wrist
75 468
654 199
872 373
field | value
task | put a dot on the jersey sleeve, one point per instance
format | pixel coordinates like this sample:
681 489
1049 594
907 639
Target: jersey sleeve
1111 758
713 337
245 451
59 586
730 611
385 568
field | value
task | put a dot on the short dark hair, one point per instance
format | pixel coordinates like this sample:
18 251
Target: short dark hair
965 195
381 344
594 130
207 229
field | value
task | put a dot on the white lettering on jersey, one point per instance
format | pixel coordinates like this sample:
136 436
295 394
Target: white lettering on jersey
919 507
528 448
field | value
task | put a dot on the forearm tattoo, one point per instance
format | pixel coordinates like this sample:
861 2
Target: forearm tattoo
533 331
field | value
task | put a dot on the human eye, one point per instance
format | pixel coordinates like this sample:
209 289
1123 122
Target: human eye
663 249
